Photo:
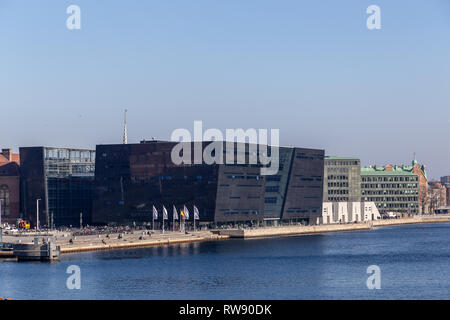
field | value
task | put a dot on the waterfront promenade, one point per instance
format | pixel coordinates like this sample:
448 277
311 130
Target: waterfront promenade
136 239
306 230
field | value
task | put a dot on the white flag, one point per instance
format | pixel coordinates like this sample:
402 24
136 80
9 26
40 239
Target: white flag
196 213
155 213
175 213
186 213
165 215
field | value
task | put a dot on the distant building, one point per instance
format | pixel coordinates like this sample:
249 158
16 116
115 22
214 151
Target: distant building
437 196
442 210
342 179
445 179
132 178
349 212
62 179
447 186
391 188
9 186
7 156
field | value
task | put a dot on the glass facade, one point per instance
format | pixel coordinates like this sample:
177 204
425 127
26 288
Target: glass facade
131 179
62 179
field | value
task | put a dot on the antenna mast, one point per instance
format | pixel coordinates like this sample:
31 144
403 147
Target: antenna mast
125 134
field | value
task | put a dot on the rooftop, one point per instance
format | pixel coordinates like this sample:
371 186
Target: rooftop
381 171
340 158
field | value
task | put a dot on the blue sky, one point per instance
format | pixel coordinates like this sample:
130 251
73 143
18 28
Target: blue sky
309 68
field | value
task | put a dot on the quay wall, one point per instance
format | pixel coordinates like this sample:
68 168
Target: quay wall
292 230
415 220
135 244
305 230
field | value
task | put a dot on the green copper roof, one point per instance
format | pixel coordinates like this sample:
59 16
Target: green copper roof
396 170
381 172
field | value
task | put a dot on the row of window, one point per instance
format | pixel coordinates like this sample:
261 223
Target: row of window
338 184
341 162
337 170
249 197
244 177
337 199
273 189
4 198
390 199
337 191
397 205
333 177
389 185
386 179
391 192
240 212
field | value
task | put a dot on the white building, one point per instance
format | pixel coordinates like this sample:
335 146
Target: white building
347 212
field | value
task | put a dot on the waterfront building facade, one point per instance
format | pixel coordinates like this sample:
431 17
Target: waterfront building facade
59 183
342 179
349 212
132 178
9 186
392 189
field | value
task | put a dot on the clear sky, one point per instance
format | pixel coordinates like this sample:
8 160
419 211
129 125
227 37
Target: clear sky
309 68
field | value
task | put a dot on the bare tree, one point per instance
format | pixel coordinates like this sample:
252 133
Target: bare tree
424 199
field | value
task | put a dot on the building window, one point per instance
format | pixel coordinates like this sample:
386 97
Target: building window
4 198
270 200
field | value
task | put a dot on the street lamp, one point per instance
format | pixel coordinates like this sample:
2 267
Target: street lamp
37 214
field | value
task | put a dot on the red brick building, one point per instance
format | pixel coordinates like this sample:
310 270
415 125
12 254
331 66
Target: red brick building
9 186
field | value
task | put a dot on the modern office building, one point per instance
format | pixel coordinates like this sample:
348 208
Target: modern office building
391 188
9 186
59 181
342 179
132 178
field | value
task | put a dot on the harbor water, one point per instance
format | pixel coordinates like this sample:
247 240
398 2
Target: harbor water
414 261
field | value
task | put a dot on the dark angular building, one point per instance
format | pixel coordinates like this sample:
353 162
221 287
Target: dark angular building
131 178
62 179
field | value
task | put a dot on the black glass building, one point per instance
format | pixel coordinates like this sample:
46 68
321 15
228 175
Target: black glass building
132 178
